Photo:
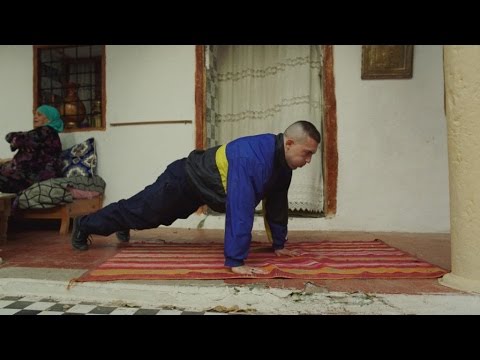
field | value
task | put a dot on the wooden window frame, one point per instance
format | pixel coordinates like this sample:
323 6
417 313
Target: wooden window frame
36 78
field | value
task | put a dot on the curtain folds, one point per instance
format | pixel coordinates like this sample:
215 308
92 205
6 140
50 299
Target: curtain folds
263 89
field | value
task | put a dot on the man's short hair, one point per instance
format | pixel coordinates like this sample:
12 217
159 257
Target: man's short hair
301 128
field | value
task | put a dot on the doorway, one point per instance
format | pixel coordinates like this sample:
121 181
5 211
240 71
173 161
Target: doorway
328 126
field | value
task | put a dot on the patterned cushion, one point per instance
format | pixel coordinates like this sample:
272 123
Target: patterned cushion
80 159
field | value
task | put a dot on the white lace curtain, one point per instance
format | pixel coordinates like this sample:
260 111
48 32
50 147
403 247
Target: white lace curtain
264 89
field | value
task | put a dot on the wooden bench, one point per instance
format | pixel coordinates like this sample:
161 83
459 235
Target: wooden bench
5 210
63 212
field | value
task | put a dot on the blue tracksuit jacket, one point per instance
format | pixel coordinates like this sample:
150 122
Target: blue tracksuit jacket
234 178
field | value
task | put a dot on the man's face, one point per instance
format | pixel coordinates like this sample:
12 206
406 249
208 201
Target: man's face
39 119
297 154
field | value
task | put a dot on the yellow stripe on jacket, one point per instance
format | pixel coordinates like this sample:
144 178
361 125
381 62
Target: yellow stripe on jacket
222 164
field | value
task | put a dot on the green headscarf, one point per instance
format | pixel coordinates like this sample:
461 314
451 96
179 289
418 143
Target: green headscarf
53 116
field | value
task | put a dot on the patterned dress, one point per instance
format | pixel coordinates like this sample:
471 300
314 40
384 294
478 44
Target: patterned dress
37 159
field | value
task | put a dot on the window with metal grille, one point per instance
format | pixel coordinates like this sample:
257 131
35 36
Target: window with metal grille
72 78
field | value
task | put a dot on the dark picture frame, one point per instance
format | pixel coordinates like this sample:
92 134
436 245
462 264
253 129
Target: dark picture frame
387 62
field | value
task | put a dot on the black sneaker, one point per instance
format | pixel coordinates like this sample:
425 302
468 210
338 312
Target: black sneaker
123 235
79 238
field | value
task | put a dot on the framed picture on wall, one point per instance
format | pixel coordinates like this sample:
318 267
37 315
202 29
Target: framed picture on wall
387 62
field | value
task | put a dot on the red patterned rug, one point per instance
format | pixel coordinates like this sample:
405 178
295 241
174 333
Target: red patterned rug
318 260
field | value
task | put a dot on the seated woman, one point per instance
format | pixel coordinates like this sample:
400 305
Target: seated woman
38 156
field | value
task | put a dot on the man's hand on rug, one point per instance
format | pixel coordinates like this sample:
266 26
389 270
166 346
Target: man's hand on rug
286 252
245 270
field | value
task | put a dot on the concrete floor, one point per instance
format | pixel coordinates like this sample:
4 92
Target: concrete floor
38 261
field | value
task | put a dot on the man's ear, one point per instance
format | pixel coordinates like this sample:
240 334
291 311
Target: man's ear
289 142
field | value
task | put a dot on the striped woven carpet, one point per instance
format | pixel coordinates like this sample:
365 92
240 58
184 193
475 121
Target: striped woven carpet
318 260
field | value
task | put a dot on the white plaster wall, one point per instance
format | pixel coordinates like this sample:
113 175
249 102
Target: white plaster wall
16 92
144 83
392 144
393 165
150 82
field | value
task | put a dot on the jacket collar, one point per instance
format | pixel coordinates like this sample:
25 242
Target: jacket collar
280 152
